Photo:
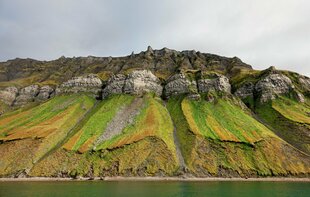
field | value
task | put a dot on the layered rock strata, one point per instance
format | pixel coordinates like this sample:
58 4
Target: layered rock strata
89 83
137 82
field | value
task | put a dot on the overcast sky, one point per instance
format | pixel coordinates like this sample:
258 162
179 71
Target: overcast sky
261 32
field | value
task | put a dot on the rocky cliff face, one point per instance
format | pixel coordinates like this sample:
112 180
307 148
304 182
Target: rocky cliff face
217 83
45 93
27 95
115 85
137 82
142 81
247 90
179 84
89 83
270 87
8 95
305 82
12 96
165 61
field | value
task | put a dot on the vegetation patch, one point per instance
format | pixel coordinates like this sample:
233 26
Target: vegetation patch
223 120
153 120
286 123
97 122
293 110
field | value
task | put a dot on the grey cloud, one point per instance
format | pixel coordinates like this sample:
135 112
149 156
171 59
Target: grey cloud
262 33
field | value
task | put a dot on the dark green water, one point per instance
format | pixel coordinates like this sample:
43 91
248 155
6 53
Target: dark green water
156 189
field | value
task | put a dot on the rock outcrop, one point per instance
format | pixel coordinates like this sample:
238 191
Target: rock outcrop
137 82
27 94
246 90
89 83
45 93
305 83
272 85
179 84
8 95
217 83
142 81
115 85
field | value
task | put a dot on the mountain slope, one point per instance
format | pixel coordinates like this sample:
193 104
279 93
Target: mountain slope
157 113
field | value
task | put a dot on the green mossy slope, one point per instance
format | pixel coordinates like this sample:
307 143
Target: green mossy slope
233 143
47 125
95 125
59 138
289 120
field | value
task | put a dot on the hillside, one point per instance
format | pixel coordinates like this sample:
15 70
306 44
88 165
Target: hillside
156 113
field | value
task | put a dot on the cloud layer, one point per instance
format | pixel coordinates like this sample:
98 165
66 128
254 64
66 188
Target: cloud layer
262 33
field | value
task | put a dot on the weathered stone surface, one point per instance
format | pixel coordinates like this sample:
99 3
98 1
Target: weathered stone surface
141 81
89 83
272 85
218 83
300 97
305 82
45 93
179 84
195 97
246 90
115 85
8 95
137 82
27 95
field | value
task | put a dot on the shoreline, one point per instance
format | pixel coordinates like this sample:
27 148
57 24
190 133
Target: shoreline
149 179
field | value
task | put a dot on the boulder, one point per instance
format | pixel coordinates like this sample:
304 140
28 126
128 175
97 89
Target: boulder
246 90
89 83
272 85
27 95
8 95
179 84
142 81
217 83
115 85
45 93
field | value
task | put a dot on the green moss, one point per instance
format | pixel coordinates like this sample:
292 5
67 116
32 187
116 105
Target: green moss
285 123
292 109
153 120
184 135
33 116
223 120
103 113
